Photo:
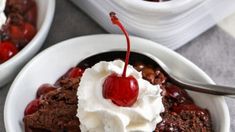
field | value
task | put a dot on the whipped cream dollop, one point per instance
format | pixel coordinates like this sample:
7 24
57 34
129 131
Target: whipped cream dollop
97 114
2 14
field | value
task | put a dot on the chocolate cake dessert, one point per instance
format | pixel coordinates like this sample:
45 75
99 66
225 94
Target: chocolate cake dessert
56 110
70 105
56 106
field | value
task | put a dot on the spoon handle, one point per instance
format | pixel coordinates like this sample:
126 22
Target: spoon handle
206 88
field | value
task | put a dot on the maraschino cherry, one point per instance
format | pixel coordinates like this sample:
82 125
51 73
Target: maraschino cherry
122 90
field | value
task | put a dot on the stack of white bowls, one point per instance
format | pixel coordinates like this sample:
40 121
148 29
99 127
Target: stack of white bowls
172 23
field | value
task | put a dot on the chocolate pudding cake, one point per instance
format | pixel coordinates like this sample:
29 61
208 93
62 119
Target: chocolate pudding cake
104 93
56 105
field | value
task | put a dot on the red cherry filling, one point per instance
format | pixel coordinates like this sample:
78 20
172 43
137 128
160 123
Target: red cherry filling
22 33
46 88
75 72
16 33
32 107
178 94
43 89
122 90
29 31
20 26
7 50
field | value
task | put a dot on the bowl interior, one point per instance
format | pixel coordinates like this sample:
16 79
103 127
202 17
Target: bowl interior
41 12
49 65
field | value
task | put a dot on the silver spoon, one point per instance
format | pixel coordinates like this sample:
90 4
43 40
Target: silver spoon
192 85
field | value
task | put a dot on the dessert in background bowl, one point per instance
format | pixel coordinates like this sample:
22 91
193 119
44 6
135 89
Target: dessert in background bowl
24 27
18 26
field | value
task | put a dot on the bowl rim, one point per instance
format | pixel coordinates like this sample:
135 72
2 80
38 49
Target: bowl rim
39 35
221 99
168 7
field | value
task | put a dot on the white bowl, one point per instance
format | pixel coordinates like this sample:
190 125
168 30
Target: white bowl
49 65
10 68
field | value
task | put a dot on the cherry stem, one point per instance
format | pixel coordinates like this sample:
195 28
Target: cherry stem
115 21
